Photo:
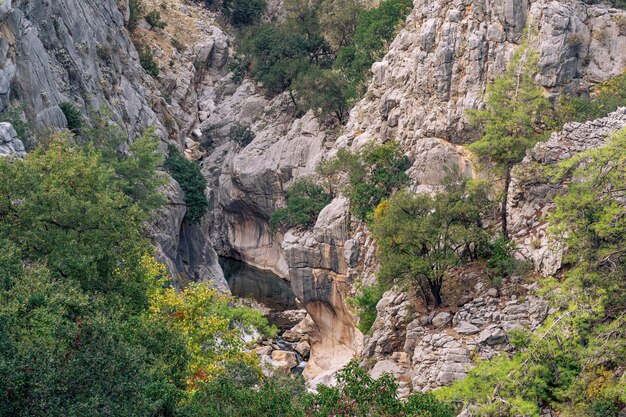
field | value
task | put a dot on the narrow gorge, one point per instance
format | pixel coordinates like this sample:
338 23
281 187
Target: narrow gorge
437 68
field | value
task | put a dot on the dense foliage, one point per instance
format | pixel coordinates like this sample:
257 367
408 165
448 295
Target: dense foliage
244 12
88 325
146 59
72 115
322 53
420 237
305 199
575 361
136 10
188 175
364 302
373 174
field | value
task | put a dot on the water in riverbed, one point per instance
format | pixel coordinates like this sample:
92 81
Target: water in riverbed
272 292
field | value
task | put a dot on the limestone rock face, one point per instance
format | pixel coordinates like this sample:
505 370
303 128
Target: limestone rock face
10 145
71 50
424 354
439 64
531 196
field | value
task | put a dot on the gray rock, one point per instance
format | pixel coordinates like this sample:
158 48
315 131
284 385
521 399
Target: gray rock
492 336
442 319
10 145
466 328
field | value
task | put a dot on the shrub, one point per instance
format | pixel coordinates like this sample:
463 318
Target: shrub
365 302
146 59
244 12
136 10
374 173
501 261
191 180
305 200
607 97
176 43
242 135
73 116
154 19
358 394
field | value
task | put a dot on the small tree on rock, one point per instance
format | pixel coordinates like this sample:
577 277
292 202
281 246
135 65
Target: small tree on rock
514 120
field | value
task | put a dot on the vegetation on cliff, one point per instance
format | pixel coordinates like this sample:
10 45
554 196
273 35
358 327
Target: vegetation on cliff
323 51
189 177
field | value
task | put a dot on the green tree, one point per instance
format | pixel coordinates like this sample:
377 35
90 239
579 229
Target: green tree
373 173
305 199
515 118
420 237
188 175
575 361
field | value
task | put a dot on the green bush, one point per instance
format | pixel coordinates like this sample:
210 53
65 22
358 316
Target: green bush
242 135
357 394
136 10
420 237
365 302
374 173
244 12
375 28
146 59
154 19
305 200
73 116
191 180
607 97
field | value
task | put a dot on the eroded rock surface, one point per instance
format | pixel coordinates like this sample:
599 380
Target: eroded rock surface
532 194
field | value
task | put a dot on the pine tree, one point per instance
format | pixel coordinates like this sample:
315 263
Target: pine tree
515 117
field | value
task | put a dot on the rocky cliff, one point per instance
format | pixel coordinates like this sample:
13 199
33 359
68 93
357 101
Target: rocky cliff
437 67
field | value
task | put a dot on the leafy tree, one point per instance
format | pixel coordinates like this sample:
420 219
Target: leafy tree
420 237
188 175
514 119
135 164
146 59
375 28
154 19
323 90
374 173
211 326
242 393
607 97
136 10
242 135
305 200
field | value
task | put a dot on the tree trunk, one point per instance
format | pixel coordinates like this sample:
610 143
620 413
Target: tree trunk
435 289
505 198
